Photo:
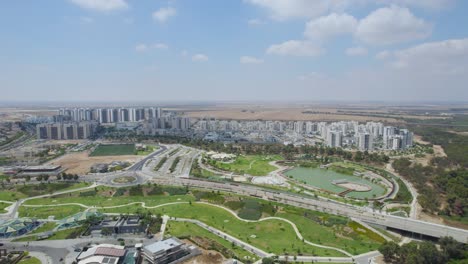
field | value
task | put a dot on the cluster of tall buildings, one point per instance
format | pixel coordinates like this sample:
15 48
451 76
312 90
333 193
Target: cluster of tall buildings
69 130
350 134
168 125
109 115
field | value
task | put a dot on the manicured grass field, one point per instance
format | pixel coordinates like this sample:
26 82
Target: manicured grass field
11 195
3 206
273 236
44 227
256 165
183 230
44 212
29 260
114 150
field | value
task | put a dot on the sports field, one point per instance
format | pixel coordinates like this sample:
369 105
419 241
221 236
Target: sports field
114 150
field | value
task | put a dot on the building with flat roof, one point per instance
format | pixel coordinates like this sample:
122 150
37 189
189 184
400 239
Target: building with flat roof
166 251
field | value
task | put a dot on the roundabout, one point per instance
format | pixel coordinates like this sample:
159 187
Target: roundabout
124 179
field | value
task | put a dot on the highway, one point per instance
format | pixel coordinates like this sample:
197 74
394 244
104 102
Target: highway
329 206
143 173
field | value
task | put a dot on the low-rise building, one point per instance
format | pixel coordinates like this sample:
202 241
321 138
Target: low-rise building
167 251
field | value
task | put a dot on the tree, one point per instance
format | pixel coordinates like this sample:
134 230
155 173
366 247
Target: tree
28 178
75 177
451 248
390 251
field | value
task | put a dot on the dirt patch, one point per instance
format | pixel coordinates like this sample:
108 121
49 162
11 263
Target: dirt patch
207 257
80 163
439 151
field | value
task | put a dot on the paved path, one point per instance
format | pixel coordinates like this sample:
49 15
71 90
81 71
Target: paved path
296 230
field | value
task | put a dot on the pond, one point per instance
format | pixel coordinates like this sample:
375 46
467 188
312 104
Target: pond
323 178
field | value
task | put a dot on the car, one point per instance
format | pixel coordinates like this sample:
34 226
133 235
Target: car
1 244
77 250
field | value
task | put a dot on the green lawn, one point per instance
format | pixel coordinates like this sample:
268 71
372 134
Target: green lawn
256 165
183 230
44 228
339 235
29 260
273 236
149 150
114 150
3 206
11 195
48 188
44 212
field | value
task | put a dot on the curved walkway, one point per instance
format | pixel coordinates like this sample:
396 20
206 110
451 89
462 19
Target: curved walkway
143 204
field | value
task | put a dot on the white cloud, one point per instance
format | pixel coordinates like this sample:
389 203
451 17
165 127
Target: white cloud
141 47
285 9
330 26
288 9
310 76
356 51
184 53
164 13
101 5
160 46
383 55
199 57
426 4
86 20
128 21
295 48
255 22
391 25
444 57
250 60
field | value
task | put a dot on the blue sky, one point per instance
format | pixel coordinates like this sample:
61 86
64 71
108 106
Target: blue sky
257 50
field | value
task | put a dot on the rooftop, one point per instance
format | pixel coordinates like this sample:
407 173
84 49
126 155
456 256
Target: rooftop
163 245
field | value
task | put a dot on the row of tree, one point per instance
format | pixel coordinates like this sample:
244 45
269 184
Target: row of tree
424 252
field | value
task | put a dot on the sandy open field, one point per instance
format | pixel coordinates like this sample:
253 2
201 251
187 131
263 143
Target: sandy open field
80 163
306 112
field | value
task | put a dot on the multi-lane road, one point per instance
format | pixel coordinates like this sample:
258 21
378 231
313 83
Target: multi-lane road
144 172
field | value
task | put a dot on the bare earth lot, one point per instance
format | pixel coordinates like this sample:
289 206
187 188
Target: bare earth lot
306 112
80 163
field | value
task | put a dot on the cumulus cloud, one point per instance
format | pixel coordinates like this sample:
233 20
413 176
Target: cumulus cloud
161 46
141 47
101 5
426 4
199 57
391 25
330 26
288 9
164 13
255 22
250 60
356 51
285 9
383 55
86 20
443 57
295 48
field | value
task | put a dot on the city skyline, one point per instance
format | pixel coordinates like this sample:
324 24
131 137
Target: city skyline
249 50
